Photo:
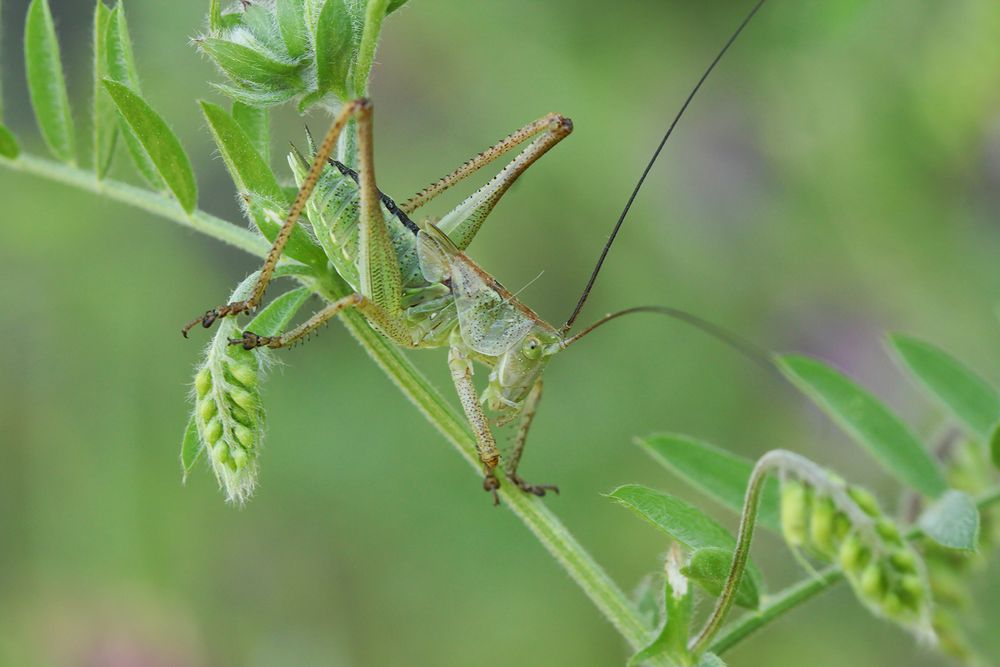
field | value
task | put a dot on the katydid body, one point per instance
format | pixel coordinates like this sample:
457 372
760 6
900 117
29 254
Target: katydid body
414 283
416 286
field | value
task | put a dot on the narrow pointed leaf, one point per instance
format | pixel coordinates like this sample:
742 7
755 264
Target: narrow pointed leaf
8 144
268 215
191 448
394 5
249 170
256 123
334 46
292 24
121 68
995 445
966 395
46 83
710 660
244 64
215 15
274 318
709 568
952 521
255 97
160 143
718 473
674 622
105 119
680 520
867 421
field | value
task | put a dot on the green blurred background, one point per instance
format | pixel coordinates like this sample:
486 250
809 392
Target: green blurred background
837 178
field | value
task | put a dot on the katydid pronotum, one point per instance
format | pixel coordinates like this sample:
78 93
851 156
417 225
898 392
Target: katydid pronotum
415 285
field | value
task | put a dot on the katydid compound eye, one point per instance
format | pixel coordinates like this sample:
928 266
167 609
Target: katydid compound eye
531 349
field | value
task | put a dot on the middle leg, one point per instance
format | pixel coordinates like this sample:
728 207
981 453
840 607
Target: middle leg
511 465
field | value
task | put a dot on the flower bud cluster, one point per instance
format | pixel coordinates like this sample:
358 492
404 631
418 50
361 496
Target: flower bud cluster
228 411
843 524
275 50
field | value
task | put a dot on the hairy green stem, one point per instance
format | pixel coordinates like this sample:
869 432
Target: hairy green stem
579 564
374 15
794 595
741 554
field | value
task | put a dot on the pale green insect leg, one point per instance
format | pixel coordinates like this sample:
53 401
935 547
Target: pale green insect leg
464 222
527 417
378 266
460 365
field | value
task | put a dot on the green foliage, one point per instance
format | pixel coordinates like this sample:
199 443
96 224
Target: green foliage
952 521
970 399
680 520
718 473
709 568
867 421
121 68
8 144
335 43
105 119
256 123
249 170
160 143
46 83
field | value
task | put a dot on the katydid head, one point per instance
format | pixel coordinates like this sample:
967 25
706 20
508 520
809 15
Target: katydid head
517 370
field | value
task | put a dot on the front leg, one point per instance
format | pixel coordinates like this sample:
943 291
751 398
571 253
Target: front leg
461 373
358 108
527 416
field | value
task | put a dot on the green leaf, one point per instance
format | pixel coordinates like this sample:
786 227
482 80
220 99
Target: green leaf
105 119
8 144
709 568
969 397
680 520
868 421
718 473
274 318
952 521
244 64
710 660
191 448
46 83
674 623
249 170
268 215
394 5
292 24
256 123
161 144
995 445
121 68
255 97
334 44
215 15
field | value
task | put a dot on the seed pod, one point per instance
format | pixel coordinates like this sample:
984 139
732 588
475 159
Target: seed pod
843 523
794 512
821 526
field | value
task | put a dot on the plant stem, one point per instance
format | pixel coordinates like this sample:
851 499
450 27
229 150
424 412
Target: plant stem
800 592
374 15
579 564
741 553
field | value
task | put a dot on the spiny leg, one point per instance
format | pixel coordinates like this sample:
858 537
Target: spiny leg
557 126
461 374
527 416
372 312
267 270
464 221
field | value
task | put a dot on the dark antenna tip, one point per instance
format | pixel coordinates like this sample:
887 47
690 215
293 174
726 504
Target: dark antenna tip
642 179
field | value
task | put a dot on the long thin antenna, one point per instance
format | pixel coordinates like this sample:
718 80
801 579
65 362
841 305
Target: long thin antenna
642 179
732 340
